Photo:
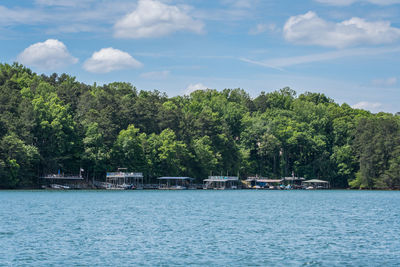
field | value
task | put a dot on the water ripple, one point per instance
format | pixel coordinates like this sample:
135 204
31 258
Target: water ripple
199 228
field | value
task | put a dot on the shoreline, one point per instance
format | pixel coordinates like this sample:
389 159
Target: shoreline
243 189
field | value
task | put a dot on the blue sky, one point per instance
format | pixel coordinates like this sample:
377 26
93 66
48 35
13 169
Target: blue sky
347 49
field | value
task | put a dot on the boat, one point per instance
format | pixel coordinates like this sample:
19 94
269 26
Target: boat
58 186
130 187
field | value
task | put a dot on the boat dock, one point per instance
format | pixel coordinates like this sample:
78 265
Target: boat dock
175 183
62 181
124 180
221 182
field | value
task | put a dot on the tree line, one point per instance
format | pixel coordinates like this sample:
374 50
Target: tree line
51 123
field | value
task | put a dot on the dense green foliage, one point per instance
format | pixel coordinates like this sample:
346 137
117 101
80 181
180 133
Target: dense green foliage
56 123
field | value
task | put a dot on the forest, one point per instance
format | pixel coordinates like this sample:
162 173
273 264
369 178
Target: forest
52 123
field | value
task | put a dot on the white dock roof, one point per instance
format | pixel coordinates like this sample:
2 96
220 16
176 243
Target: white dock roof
221 178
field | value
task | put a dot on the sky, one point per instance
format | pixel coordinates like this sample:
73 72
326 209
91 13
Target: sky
346 49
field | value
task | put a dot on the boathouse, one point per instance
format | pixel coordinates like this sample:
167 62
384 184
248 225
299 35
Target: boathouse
174 183
263 183
294 182
123 179
255 182
62 181
316 184
221 182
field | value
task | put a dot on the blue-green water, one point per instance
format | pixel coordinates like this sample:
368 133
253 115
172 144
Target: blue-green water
211 228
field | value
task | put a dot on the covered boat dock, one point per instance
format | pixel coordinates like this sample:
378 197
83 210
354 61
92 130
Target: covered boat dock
294 182
263 183
124 180
316 184
221 182
174 183
62 181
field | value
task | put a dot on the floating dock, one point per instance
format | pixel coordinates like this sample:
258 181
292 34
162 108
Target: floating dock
175 183
124 180
221 182
62 181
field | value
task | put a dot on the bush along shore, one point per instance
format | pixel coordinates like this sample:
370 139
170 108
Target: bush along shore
51 124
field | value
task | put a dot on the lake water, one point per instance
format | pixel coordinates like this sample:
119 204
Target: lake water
208 228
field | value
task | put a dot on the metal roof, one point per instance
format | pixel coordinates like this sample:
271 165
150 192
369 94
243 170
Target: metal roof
61 177
264 180
221 178
253 178
269 180
316 181
175 178
124 174
294 178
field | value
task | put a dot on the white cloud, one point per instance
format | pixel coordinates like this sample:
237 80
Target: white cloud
10 16
155 74
310 29
231 10
261 28
264 63
240 3
350 2
385 82
372 106
154 19
64 3
110 59
67 16
51 54
194 87
74 28
279 63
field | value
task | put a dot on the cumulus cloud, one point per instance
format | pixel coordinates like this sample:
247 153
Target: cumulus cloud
51 54
194 87
310 29
154 19
385 82
350 2
110 59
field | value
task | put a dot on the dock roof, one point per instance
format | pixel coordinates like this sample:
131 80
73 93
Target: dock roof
61 177
175 178
264 180
294 178
316 181
269 180
221 178
253 178
124 174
